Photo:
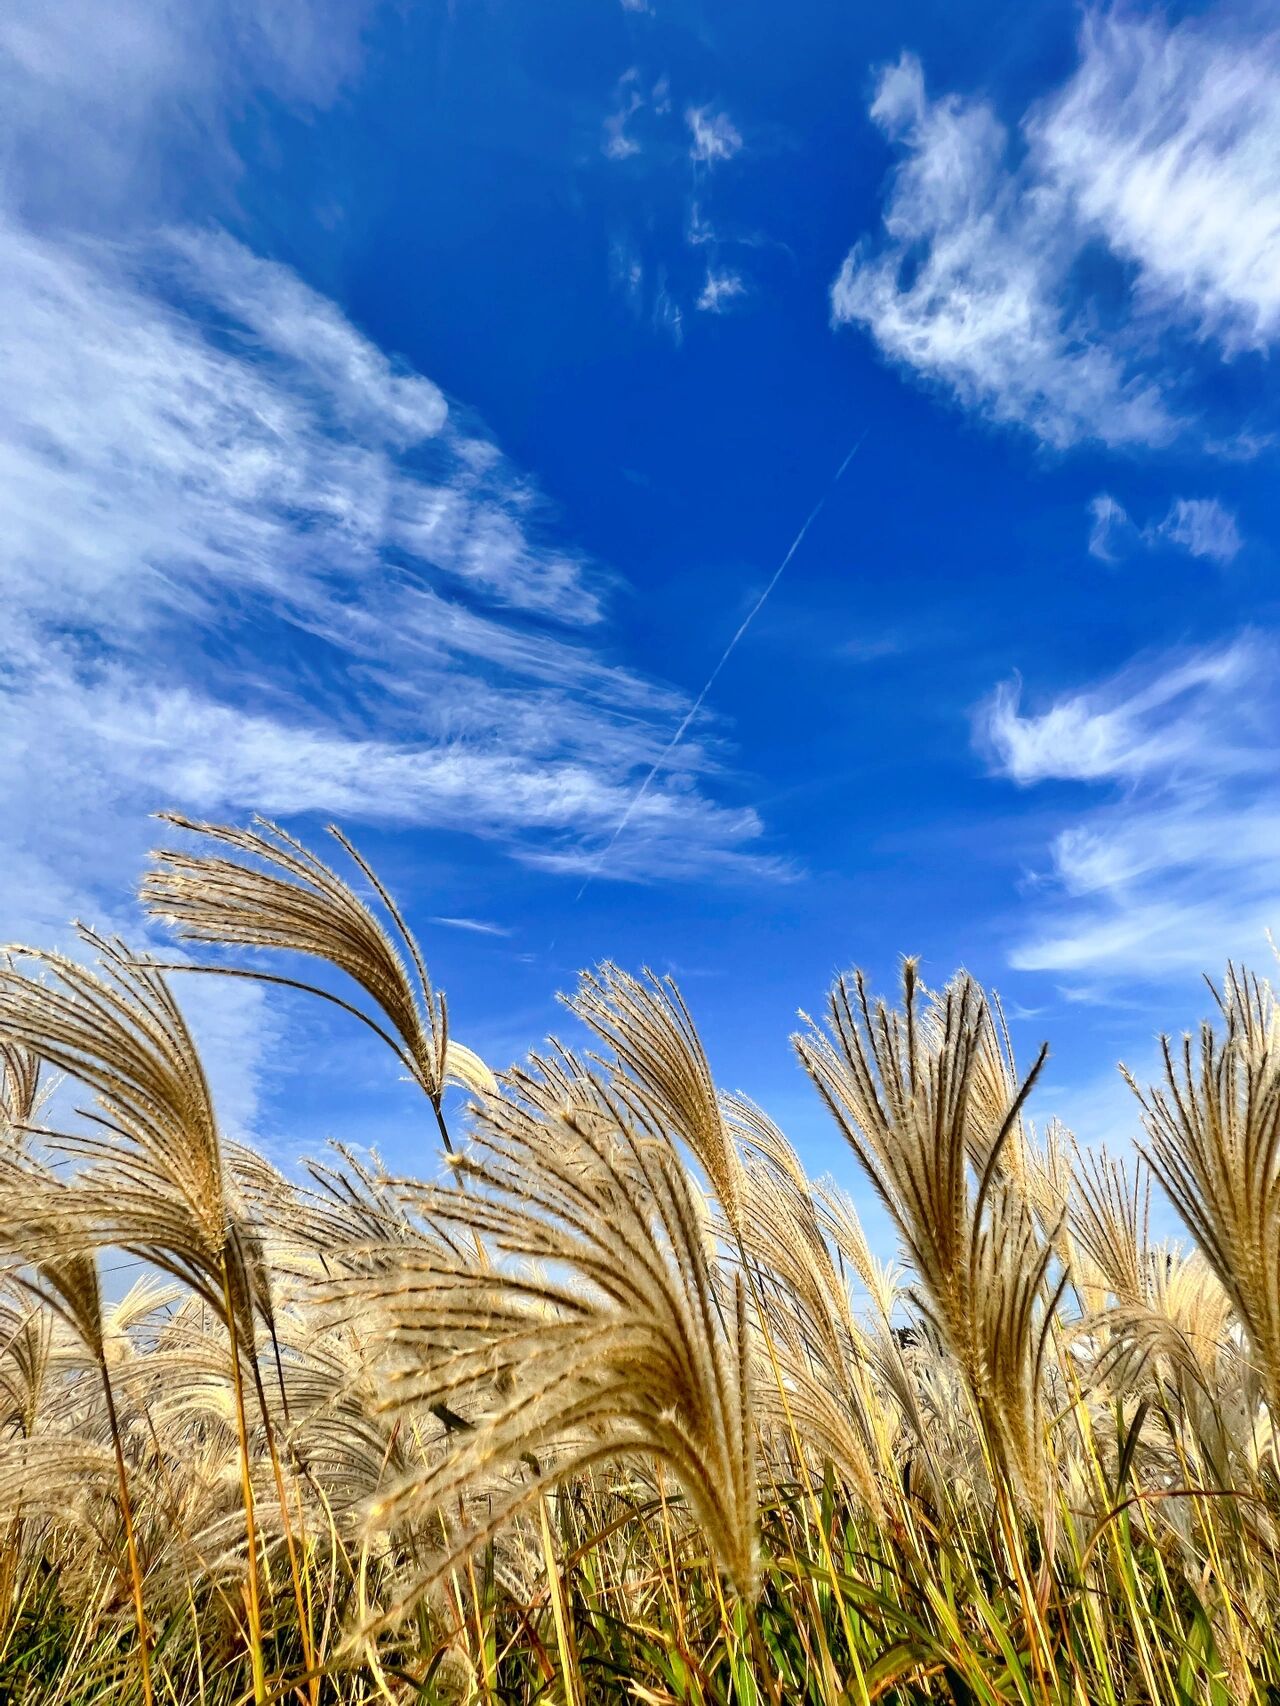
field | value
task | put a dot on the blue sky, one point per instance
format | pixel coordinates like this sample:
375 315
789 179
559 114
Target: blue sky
405 404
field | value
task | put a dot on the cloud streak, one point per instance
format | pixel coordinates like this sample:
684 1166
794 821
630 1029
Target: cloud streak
251 559
99 104
253 563
1170 859
722 288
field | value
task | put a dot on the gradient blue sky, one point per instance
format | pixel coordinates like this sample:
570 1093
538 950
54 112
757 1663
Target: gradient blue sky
403 405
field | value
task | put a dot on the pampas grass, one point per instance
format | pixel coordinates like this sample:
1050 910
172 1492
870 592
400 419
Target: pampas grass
620 1404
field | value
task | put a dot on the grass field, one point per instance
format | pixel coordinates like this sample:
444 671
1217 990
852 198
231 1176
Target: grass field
621 1405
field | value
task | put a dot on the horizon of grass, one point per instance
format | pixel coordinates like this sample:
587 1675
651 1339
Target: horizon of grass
622 1406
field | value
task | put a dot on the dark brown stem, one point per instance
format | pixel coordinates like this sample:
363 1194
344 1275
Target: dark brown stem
444 1130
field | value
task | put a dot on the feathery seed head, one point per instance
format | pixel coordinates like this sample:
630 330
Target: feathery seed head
661 1062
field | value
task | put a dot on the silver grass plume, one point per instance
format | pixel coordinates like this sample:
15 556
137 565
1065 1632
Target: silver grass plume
593 1335
19 1087
913 1093
156 1183
269 891
814 1356
1214 1130
659 1060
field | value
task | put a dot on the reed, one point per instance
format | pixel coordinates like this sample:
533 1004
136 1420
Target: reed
620 1404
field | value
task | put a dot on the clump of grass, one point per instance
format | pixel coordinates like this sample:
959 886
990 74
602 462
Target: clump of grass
622 1406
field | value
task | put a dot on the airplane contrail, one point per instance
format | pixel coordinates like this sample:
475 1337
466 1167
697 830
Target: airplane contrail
693 710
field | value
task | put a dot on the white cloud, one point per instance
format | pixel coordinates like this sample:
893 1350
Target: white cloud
1141 721
618 144
1175 865
721 289
250 563
371 395
1111 524
1167 140
97 103
251 560
1160 149
714 136
119 740
699 231
237 1031
667 314
713 139
630 101
133 445
626 269
966 288
1203 527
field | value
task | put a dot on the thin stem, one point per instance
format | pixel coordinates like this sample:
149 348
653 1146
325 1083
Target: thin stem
246 1489
304 1620
130 1541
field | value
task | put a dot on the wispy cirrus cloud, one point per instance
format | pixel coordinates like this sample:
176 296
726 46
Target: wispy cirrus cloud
277 451
1109 528
619 143
966 289
662 291
177 483
1170 861
1203 527
1156 157
477 926
1141 722
1166 139
99 105
722 289
713 136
